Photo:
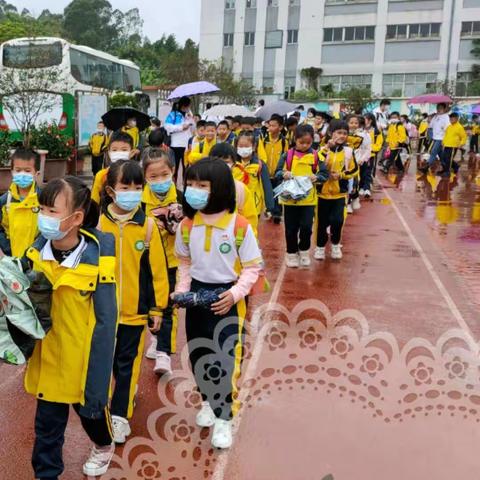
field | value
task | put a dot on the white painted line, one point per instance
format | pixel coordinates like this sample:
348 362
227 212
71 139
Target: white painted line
223 458
431 270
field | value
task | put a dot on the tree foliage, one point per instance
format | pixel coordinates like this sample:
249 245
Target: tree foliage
311 77
357 99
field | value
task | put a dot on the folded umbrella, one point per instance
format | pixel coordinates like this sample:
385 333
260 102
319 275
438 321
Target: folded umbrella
193 88
280 107
116 118
430 98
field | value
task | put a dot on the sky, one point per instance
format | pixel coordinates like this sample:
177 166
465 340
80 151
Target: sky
180 17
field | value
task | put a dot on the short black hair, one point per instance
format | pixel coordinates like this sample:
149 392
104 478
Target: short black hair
425 115
338 125
474 117
394 113
223 150
249 121
228 117
121 137
25 154
210 124
156 121
261 102
385 101
157 137
224 123
155 155
222 193
277 118
454 114
238 119
444 105
291 121
245 134
201 123
303 130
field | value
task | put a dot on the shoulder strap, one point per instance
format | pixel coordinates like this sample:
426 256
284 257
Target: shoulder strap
284 142
186 228
289 160
9 201
148 235
240 230
315 161
200 146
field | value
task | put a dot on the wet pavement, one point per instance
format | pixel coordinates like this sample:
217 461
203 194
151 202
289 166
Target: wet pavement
364 369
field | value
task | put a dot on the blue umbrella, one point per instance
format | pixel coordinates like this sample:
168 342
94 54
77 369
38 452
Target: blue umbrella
194 88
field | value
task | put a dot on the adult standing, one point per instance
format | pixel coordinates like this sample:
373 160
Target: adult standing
179 124
439 124
381 115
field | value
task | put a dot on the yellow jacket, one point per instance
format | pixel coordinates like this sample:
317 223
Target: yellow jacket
377 141
18 229
270 151
455 136
73 363
250 175
396 135
422 128
98 184
246 205
151 201
199 151
340 160
134 133
98 143
476 129
141 272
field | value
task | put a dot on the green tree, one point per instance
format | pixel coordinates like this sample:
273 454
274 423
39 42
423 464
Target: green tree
311 77
308 95
357 99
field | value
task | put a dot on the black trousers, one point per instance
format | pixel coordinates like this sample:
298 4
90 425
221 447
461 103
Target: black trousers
179 153
277 209
166 337
395 159
474 143
448 162
97 164
215 352
298 227
331 213
50 423
126 368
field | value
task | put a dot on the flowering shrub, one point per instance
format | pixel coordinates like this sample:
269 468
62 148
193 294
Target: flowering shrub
50 137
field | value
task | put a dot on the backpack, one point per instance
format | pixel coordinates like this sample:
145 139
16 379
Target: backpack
291 154
240 229
266 141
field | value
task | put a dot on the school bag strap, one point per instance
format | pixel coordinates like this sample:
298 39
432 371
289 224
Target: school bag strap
291 154
149 233
200 147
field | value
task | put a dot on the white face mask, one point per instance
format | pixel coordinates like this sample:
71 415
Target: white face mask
117 156
245 152
394 120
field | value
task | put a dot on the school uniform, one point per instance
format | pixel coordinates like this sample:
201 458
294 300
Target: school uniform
474 138
141 270
72 365
360 143
98 185
134 132
98 144
423 143
333 194
396 140
367 170
246 205
18 220
214 257
230 139
200 150
455 138
299 214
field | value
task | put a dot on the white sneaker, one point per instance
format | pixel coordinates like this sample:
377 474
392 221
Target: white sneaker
368 193
222 434
349 208
151 352
305 259
205 417
121 429
337 252
163 364
361 192
319 253
356 204
99 460
292 260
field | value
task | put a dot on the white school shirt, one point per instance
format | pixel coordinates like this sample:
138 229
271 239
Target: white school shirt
216 264
72 260
439 125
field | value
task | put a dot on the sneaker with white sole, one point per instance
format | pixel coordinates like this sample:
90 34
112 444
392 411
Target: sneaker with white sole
99 460
121 429
368 193
163 364
305 259
337 252
205 417
356 204
151 352
319 253
292 260
349 208
222 434
361 192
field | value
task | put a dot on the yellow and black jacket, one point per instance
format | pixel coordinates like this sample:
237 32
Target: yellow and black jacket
73 363
377 141
423 129
18 226
141 269
98 184
354 141
455 136
338 160
200 150
270 151
134 133
396 136
98 143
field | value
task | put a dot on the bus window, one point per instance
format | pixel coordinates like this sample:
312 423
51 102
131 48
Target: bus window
32 56
132 79
92 70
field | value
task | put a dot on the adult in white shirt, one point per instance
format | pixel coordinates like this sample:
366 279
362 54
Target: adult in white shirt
381 114
438 125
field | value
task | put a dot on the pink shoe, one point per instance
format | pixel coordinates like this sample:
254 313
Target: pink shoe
163 364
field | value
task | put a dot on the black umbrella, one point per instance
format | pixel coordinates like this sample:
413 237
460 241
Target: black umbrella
326 116
116 118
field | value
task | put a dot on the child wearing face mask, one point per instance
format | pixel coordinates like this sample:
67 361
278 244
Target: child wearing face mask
203 147
131 129
19 206
98 144
396 140
142 283
211 242
162 201
120 148
253 172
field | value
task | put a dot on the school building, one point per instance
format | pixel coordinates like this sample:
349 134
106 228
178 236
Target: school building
398 48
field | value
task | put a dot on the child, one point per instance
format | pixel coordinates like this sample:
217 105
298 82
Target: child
340 161
301 161
98 144
202 148
396 140
455 139
248 125
142 285
208 248
224 135
367 169
72 365
162 201
321 128
475 131
245 201
19 206
158 140
132 130
253 172
270 149
198 137
120 148
422 133
291 126
237 124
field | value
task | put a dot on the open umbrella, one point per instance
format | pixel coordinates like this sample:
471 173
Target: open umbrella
431 98
116 118
280 107
476 110
222 111
193 88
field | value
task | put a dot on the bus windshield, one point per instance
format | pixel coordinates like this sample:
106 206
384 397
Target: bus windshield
32 55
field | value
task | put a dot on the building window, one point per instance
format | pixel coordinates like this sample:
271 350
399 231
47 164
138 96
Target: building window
228 39
293 3
272 3
229 4
292 37
251 4
340 83
467 85
274 39
413 30
408 84
349 34
470 29
343 2
249 39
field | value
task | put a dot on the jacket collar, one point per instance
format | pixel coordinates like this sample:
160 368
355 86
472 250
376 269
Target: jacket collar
222 223
34 190
139 217
150 198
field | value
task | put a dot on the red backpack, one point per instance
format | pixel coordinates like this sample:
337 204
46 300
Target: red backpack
291 154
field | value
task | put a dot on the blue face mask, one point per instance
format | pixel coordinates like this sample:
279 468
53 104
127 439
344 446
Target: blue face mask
49 227
22 180
161 187
128 200
197 198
